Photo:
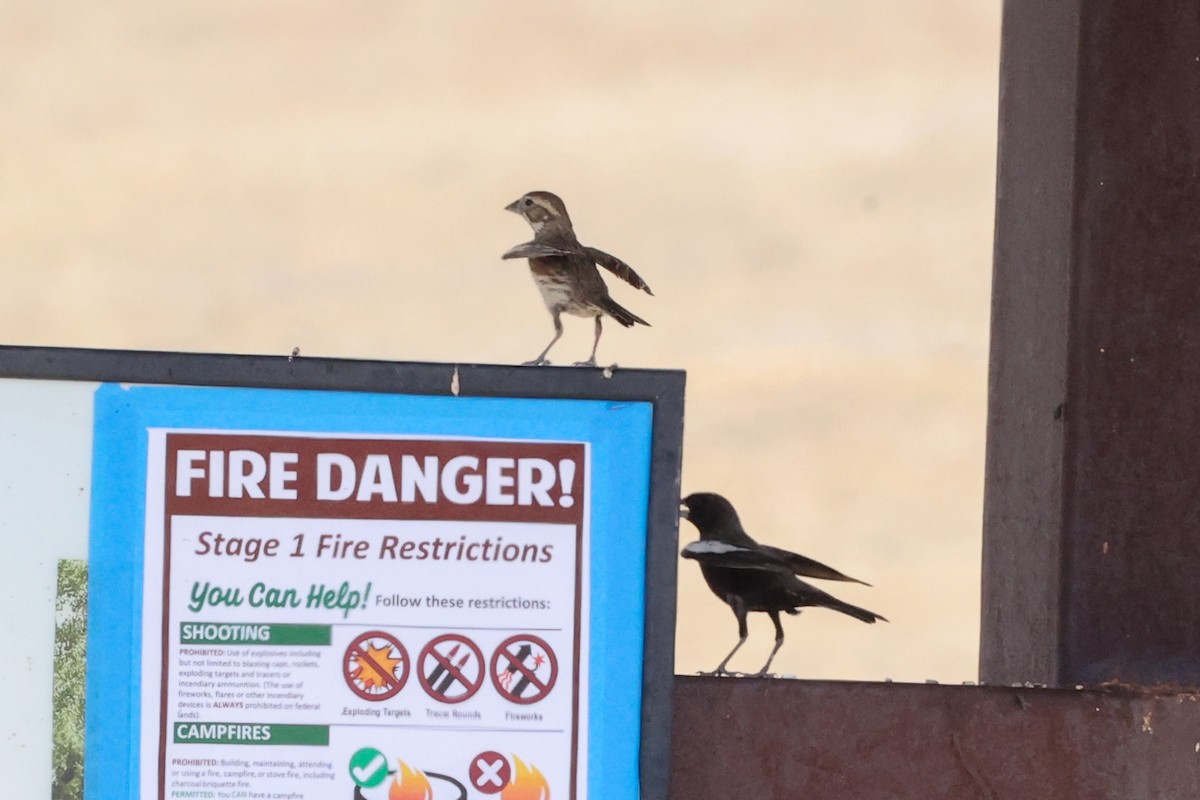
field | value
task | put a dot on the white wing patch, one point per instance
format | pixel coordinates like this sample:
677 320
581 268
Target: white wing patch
710 547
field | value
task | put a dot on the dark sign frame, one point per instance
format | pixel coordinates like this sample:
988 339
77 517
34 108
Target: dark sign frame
664 389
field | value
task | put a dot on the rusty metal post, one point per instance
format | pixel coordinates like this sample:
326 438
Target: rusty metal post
1092 510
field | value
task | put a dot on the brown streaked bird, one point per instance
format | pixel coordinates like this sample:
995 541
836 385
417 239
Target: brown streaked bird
749 576
565 270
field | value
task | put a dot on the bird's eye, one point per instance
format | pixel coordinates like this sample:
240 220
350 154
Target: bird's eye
528 202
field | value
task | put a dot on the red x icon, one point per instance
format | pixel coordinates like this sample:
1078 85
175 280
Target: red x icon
490 772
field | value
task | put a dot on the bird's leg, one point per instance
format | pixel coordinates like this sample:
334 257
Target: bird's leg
720 670
739 609
541 361
778 643
591 362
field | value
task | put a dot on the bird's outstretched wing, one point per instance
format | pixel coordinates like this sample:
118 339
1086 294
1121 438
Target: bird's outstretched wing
806 566
535 250
731 556
619 268
761 557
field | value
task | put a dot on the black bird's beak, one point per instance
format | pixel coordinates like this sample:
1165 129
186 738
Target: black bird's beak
514 206
683 511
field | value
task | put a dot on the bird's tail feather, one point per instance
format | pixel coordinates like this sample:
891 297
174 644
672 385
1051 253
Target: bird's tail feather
854 611
620 313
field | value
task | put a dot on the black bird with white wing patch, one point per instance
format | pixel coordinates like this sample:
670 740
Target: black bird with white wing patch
749 576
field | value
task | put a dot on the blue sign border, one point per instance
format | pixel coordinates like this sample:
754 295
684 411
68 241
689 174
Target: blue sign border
620 434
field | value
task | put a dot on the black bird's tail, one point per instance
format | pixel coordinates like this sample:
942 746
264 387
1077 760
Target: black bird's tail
620 313
829 601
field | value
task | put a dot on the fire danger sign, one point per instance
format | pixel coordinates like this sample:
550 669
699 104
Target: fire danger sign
348 579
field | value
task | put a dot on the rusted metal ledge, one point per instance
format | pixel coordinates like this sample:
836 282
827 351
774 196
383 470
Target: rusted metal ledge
753 738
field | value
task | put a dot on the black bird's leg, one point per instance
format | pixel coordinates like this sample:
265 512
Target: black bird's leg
778 643
541 361
591 362
739 609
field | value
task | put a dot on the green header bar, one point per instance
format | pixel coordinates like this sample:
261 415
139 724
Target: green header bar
250 733
254 633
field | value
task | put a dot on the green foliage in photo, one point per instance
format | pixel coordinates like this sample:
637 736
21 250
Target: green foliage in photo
70 659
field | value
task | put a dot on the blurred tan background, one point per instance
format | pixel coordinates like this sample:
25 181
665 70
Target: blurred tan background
807 185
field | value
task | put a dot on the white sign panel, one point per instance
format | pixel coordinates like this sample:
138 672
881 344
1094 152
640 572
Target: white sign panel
410 613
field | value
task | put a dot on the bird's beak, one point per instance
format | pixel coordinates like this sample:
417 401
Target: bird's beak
514 206
683 511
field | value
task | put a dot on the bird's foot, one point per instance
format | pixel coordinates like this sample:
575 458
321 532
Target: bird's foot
591 362
719 672
763 674
537 362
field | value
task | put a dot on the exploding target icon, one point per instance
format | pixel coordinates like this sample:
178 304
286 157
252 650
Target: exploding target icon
375 666
524 669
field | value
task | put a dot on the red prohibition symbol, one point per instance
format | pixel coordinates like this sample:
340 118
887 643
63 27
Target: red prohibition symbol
489 772
375 666
450 668
524 669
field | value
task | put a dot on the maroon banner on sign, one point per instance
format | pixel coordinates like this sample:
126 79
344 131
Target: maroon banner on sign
235 475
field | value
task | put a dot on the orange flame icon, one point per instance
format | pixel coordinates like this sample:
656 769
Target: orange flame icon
528 783
411 785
